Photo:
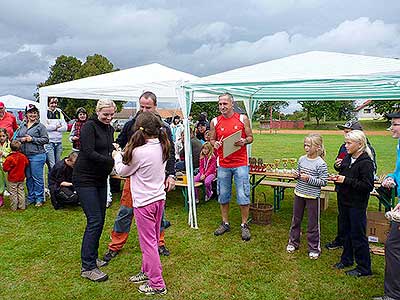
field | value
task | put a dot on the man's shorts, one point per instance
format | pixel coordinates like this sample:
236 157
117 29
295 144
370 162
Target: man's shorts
242 184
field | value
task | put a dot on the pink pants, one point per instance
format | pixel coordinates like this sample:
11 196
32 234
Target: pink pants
148 221
207 183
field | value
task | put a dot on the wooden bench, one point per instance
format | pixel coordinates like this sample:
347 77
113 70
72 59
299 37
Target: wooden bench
280 186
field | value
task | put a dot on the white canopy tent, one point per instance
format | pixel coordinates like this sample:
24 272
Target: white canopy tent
126 85
14 102
312 75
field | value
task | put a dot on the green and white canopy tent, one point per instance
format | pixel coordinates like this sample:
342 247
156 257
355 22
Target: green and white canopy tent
312 75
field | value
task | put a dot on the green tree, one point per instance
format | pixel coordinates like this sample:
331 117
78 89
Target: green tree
264 109
211 108
67 68
383 107
328 110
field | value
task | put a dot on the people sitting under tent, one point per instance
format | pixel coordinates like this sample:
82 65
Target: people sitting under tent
196 149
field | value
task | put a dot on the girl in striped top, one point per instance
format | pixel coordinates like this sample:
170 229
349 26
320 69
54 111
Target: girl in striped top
311 175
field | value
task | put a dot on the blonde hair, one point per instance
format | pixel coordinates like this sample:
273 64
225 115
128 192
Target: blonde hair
359 137
316 140
210 149
104 103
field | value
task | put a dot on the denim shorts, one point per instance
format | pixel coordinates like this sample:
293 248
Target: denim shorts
242 184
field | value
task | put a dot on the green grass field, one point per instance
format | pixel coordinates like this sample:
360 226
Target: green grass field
40 248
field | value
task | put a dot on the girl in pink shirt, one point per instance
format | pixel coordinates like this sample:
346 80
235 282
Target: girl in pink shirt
207 170
144 160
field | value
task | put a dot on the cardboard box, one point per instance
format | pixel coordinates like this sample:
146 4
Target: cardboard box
378 227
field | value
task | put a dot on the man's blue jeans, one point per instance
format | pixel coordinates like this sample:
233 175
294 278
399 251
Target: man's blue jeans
54 152
93 201
35 178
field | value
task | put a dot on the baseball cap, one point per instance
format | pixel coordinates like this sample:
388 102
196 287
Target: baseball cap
393 115
353 125
1 104
30 107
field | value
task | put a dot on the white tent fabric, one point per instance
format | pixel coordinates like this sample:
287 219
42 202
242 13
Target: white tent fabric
313 75
14 102
125 85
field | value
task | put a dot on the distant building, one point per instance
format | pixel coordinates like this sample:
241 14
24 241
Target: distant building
365 111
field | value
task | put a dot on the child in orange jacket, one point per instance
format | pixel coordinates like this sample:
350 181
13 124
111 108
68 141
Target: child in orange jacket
15 164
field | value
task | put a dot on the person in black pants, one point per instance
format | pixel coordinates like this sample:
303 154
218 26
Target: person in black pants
392 246
349 126
354 184
89 177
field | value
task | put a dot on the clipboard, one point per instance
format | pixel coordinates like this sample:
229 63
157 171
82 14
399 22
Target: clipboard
228 143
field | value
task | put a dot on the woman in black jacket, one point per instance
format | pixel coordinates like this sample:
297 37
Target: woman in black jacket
354 184
90 173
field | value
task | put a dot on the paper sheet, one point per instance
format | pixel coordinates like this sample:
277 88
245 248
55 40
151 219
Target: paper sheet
229 141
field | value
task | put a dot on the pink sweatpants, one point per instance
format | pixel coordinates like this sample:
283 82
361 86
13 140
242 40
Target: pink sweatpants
207 183
148 221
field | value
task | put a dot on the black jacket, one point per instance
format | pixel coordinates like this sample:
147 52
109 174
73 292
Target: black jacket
59 172
127 131
359 181
94 162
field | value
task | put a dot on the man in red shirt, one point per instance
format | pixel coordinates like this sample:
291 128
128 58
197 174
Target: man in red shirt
234 165
7 121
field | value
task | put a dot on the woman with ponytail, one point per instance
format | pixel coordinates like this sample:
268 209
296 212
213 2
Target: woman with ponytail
144 160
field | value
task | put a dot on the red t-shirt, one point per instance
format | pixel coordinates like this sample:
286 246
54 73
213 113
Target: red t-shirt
9 123
223 128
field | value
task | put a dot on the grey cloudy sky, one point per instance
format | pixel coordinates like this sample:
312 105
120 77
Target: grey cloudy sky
199 37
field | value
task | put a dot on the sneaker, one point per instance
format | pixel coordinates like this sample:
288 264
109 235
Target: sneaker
39 204
208 198
245 232
224 227
6 193
340 266
290 248
333 245
101 263
95 275
148 290
139 278
110 254
356 273
384 297
313 255
162 250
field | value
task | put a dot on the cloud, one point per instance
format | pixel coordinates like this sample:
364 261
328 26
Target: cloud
21 63
360 36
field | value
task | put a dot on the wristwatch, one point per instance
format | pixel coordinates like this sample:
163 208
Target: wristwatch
172 176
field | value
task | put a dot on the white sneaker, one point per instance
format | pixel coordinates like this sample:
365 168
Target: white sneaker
109 202
6 193
290 249
313 255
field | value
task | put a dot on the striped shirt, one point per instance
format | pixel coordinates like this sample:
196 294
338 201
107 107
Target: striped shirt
317 169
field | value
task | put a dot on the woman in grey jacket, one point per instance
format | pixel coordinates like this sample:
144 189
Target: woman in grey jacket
33 136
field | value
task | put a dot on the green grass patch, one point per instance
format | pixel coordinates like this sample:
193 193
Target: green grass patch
40 248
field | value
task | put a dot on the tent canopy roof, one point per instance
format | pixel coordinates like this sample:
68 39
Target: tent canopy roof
126 84
312 75
11 101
